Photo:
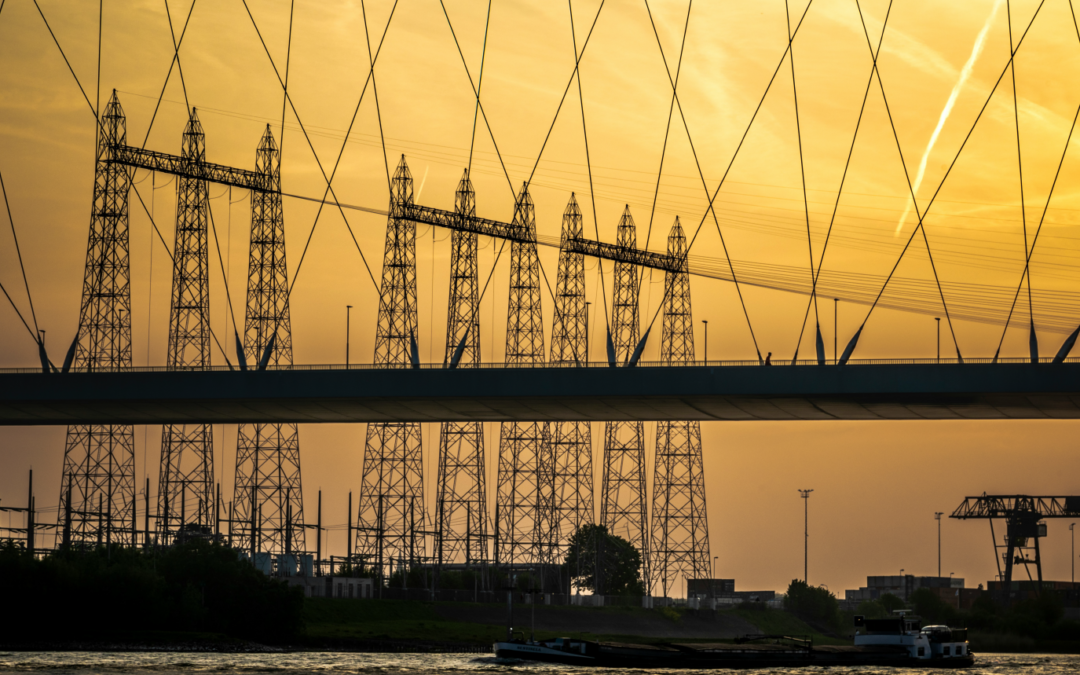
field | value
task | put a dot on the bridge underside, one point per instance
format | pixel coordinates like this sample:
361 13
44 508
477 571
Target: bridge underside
863 392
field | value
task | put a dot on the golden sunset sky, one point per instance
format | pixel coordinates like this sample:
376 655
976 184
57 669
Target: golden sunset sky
876 484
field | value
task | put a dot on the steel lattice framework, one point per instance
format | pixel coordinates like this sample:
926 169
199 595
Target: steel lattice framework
186 487
461 503
98 483
268 455
525 466
571 442
623 503
392 491
680 526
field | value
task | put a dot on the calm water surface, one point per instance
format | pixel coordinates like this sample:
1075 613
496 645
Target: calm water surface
332 663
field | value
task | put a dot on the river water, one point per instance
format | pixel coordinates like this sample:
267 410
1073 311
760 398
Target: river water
332 663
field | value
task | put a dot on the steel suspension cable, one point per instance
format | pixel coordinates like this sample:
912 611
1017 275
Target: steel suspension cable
18 251
709 209
956 157
284 97
843 178
1020 165
802 175
175 61
588 160
1030 252
375 92
479 87
311 146
176 46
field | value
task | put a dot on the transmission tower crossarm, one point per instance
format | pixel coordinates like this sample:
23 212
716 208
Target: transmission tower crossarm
513 232
185 167
626 254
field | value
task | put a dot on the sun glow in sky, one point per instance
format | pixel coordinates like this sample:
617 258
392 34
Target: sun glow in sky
876 485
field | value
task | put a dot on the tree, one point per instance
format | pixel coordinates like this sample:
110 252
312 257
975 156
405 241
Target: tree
619 562
891 602
814 604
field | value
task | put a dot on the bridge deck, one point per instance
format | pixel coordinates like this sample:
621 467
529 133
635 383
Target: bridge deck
313 395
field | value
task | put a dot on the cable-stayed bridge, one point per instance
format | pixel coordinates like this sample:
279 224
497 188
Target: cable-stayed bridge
548 389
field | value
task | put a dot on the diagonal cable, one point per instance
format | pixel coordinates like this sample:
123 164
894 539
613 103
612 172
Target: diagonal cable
956 157
1031 251
175 61
843 177
1020 164
18 251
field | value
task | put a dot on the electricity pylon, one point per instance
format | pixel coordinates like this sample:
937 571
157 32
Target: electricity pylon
186 482
680 525
97 490
623 505
392 491
461 503
571 442
267 484
525 465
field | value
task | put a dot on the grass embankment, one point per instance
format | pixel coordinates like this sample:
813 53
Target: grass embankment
335 622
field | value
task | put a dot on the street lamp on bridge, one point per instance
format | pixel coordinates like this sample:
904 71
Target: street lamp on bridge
348 308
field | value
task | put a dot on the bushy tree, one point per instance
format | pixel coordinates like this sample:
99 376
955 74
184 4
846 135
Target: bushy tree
891 602
812 603
591 548
932 608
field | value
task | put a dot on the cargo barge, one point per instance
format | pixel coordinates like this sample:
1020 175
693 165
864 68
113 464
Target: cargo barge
897 642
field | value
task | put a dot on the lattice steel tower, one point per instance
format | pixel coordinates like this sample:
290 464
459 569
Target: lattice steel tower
186 483
392 491
461 503
623 503
99 461
268 455
571 442
525 465
680 526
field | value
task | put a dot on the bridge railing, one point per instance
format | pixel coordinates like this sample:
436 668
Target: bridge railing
726 363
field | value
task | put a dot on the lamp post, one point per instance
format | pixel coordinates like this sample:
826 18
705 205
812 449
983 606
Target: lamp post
806 532
706 340
937 517
937 319
587 332
835 307
714 558
348 308
1072 536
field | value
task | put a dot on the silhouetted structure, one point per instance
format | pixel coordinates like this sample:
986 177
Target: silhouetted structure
571 442
98 484
525 465
186 481
461 502
1023 530
680 525
267 483
623 505
392 491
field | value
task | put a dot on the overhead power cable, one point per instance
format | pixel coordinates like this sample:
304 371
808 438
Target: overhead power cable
174 62
18 251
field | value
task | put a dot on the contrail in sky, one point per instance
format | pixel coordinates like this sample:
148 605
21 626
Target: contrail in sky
965 73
